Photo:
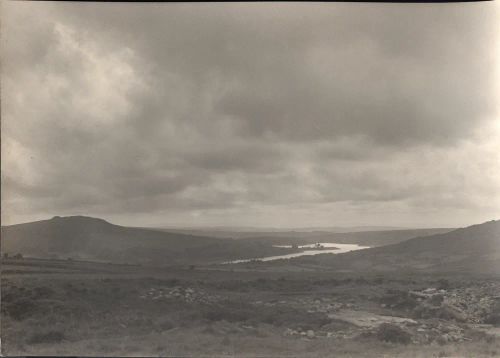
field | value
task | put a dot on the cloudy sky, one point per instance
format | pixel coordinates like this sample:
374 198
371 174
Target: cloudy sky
268 115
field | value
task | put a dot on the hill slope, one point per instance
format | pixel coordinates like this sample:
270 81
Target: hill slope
81 237
474 248
252 232
365 238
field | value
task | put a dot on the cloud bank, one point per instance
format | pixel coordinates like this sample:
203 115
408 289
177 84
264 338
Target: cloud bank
274 114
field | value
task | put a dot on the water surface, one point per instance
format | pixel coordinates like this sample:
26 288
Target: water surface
329 248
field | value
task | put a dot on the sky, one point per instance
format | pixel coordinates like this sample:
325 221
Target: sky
251 114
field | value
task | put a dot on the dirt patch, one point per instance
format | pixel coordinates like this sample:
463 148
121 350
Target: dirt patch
369 320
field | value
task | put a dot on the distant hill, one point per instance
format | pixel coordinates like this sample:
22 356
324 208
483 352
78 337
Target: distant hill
472 249
366 238
363 238
87 238
250 232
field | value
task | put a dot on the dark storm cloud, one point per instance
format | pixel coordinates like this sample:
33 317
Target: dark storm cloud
220 111
395 74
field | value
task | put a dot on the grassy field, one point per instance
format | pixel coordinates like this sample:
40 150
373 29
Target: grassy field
81 308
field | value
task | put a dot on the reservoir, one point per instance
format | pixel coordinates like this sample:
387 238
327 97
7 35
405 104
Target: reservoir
310 249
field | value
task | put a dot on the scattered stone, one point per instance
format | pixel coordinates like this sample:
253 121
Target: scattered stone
189 295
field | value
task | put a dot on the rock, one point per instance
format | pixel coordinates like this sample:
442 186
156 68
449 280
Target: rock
310 333
448 311
445 338
436 299
418 294
288 332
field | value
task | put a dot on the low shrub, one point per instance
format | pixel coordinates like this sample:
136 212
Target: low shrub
443 284
48 337
389 332
399 300
41 292
227 314
164 324
19 309
494 315
493 319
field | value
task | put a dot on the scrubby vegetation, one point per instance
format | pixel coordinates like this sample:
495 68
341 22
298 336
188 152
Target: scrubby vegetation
184 311
388 332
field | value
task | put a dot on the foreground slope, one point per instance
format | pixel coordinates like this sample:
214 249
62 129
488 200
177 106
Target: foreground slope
475 248
73 308
81 237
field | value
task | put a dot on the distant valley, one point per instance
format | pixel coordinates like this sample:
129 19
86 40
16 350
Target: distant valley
475 248
472 249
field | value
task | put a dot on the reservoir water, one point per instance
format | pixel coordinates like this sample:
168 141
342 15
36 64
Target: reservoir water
328 248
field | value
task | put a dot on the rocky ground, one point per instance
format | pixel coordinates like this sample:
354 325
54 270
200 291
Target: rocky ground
186 294
424 316
194 312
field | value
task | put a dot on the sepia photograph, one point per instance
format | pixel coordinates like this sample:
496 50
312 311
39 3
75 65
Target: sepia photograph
250 179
